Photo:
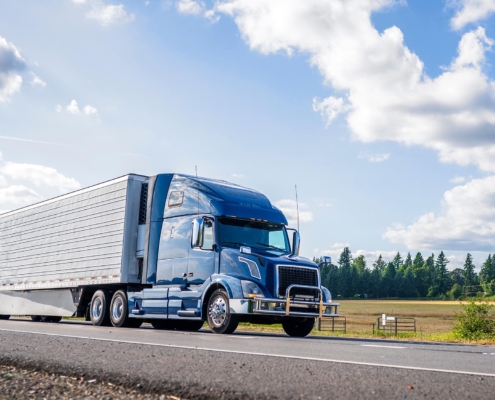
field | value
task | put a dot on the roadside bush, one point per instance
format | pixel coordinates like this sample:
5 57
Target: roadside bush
475 321
455 292
489 288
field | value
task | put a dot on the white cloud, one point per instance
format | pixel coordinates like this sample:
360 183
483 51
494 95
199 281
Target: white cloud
90 110
106 14
387 94
18 195
3 181
374 157
469 11
329 108
190 7
11 64
37 81
39 175
466 222
58 108
289 208
239 176
73 108
458 179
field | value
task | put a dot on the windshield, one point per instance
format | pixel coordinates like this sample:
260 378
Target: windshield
238 232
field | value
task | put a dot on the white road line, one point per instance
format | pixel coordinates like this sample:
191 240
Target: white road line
385 347
252 353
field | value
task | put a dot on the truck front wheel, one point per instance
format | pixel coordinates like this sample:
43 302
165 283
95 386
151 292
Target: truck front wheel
220 319
99 308
298 327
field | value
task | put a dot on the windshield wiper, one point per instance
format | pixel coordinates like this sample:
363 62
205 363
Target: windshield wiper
272 247
236 243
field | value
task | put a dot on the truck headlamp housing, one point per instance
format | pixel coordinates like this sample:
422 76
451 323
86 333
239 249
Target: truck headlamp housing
251 289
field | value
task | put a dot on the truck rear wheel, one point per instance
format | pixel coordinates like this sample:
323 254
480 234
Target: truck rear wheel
298 327
119 312
4 316
99 308
36 318
220 319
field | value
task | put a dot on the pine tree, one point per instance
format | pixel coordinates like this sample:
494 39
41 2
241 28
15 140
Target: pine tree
409 284
421 274
407 263
468 271
376 277
397 261
345 284
389 280
442 274
487 273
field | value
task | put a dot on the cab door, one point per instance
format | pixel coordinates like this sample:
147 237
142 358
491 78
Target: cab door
203 258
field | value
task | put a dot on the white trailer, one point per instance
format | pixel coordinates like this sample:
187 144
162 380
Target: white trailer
88 237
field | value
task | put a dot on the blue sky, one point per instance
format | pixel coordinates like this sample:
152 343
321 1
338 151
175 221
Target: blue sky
382 112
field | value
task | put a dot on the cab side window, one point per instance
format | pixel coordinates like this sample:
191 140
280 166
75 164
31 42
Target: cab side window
208 235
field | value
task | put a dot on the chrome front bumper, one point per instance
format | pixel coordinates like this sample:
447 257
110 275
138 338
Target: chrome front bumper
295 307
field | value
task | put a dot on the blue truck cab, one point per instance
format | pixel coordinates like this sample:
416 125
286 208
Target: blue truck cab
218 252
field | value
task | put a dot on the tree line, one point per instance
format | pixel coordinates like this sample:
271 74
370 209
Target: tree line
406 278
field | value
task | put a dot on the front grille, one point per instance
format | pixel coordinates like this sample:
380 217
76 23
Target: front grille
297 276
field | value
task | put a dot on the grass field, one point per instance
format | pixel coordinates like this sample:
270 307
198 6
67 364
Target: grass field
431 316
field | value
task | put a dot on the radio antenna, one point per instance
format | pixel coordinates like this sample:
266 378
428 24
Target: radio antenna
197 185
297 210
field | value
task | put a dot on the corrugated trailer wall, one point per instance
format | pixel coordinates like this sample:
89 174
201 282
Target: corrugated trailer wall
84 237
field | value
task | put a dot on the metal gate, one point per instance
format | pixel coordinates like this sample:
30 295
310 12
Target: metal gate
396 325
334 324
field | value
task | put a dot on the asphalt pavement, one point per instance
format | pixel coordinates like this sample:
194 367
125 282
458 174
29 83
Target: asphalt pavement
250 365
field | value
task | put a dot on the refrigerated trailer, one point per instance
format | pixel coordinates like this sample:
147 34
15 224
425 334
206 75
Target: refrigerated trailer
173 250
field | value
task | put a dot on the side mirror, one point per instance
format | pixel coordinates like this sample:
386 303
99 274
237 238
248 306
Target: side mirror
296 243
197 232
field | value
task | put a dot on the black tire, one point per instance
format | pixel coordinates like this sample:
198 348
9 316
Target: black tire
220 320
4 316
298 327
100 308
119 310
36 318
55 319
87 314
161 324
45 318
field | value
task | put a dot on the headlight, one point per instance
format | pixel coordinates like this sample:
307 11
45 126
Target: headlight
250 289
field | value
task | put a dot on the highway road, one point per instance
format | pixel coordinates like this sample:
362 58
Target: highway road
250 365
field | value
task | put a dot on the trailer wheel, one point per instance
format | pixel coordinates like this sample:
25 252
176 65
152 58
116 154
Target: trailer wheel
299 327
36 318
4 316
119 311
55 319
220 319
99 312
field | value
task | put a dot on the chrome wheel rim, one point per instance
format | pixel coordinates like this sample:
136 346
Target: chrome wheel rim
117 308
218 311
96 308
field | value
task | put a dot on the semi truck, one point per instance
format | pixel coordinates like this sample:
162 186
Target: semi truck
172 250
